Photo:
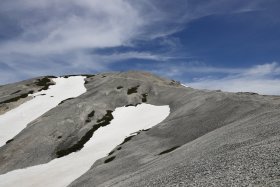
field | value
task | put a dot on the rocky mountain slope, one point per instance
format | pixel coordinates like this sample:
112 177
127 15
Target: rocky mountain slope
210 138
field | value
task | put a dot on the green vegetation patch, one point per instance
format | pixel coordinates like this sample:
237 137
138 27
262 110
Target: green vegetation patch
105 120
130 137
127 139
110 159
90 115
174 83
247 93
144 98
16 98
112 152
15 92
85 75
88 75
132 90
66 100
9 141
132 104
169 150
44 82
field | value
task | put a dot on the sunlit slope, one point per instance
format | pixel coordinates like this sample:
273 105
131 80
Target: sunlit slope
209 138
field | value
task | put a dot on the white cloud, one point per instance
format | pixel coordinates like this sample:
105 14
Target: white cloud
72 25
262 86
60 26
131 55
193 67
264 69
260 79
55 36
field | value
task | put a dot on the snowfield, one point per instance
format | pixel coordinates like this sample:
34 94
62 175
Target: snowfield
62 171
14 121
185 85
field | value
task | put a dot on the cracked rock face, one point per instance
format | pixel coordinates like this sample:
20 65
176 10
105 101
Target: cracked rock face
210 138
12 95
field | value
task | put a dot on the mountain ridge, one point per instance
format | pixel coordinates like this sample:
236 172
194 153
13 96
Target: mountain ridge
201 124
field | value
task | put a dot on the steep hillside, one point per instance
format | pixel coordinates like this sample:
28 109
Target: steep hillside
210 138
12 95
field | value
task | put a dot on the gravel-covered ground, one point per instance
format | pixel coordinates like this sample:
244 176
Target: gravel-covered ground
210 138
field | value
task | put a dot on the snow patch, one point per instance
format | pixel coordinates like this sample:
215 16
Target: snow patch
14 121
62 171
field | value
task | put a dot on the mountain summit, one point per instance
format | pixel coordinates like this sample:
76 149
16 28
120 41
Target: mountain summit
135 129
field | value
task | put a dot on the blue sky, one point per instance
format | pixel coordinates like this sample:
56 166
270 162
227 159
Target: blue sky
212 44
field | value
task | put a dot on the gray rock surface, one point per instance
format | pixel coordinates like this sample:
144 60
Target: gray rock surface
12 95
210 138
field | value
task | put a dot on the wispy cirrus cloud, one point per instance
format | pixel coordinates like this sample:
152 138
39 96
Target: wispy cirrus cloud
54 27
263 79
55 36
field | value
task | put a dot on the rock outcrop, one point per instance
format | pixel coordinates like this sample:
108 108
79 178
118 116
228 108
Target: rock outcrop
210 138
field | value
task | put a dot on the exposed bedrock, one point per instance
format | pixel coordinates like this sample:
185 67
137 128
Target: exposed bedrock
12 95
209 138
